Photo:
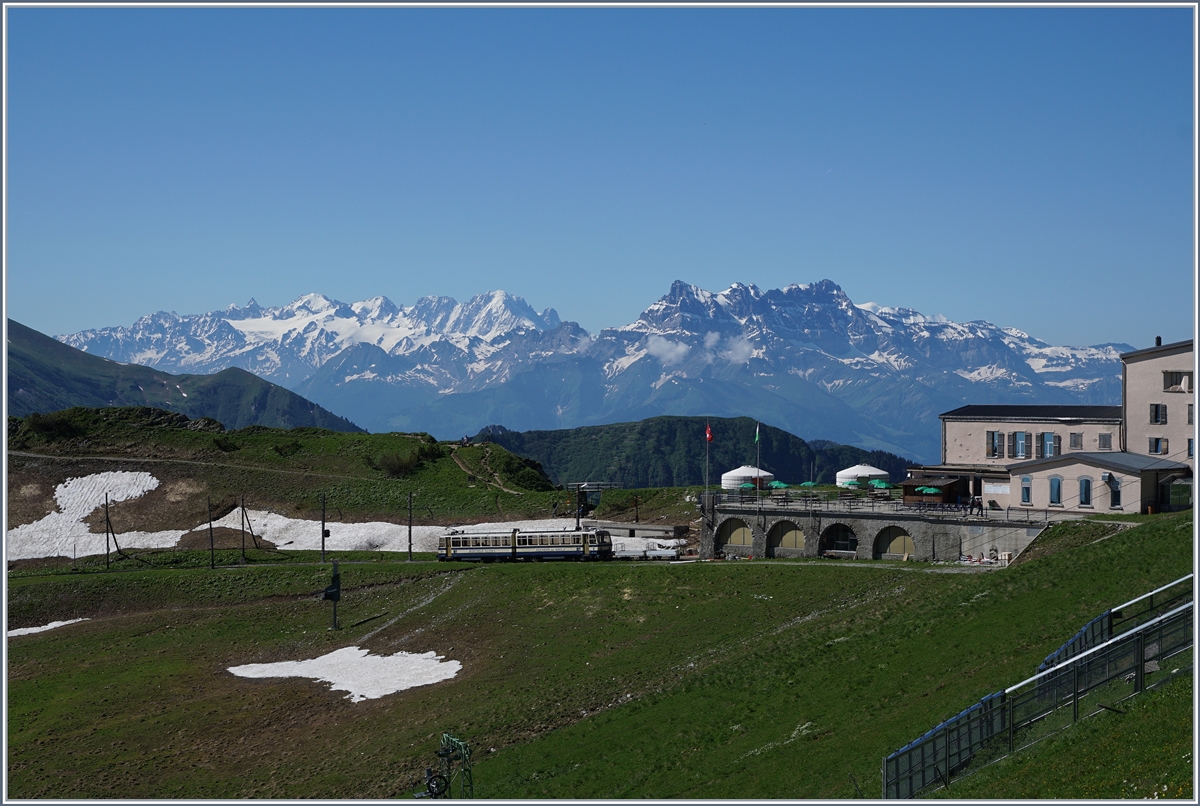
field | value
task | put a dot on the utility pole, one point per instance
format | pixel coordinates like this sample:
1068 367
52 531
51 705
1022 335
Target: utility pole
106 531
410 525
334 592
243 522
323 531
212 545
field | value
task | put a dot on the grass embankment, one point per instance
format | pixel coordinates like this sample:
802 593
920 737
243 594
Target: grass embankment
1143 752
706 680
363 476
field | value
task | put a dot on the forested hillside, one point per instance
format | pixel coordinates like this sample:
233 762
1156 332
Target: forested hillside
669 452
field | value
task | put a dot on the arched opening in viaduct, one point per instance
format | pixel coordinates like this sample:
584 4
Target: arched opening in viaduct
784 535
892 543
838 537
733 532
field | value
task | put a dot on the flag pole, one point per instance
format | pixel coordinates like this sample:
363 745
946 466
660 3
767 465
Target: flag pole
758 467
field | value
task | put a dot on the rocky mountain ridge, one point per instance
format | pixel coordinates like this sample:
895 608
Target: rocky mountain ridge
804 358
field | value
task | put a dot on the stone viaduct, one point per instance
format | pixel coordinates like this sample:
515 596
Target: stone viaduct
783 531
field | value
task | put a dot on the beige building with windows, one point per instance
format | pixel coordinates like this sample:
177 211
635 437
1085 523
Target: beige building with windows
1159 392
1136 457
979 442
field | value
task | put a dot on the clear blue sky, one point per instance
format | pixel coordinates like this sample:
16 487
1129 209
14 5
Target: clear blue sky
1032 167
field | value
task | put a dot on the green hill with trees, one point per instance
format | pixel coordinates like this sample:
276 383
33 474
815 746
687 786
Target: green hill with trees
670 451
45 375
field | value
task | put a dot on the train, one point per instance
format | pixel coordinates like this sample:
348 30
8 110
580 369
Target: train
532 546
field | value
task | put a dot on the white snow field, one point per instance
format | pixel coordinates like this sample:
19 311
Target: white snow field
64 534
43 628
366 677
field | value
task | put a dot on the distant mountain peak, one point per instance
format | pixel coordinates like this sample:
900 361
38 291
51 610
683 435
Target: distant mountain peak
804 356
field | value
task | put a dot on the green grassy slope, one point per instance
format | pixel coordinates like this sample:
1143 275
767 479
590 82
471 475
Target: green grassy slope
1143 752
364 476
670 451
45 375
703 680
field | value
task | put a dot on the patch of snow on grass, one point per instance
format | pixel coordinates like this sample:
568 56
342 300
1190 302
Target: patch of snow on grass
366 677
64 534
294 533
43 628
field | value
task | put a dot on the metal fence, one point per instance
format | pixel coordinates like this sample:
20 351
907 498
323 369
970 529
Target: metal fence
1088 679
887 503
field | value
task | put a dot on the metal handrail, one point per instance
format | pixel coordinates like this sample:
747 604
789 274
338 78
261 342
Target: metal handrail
951 746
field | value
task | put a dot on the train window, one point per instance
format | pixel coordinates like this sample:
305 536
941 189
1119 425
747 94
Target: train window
545 540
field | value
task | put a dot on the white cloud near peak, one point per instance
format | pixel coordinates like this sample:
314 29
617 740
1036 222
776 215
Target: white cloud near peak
666 351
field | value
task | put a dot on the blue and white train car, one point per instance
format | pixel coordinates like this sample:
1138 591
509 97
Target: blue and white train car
585 544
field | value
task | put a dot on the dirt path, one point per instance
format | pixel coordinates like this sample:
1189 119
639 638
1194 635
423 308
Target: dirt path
495 480
191 462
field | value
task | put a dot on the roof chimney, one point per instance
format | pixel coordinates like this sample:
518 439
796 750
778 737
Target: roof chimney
1158 341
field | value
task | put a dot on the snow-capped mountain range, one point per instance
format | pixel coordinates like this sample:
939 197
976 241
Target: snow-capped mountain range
804 358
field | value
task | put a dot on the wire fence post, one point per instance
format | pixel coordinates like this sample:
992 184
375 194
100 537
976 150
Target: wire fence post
1011 720
1075 692
1139 649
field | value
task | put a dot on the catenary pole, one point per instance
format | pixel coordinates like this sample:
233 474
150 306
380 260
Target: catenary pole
212 544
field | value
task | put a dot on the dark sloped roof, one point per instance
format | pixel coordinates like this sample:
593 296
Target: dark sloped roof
1022 412
1162 348
1107 460
944 481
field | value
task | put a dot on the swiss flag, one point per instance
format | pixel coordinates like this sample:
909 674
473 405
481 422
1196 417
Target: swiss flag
708 432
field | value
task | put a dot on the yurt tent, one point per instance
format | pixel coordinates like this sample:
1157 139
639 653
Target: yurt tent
860 472
745 475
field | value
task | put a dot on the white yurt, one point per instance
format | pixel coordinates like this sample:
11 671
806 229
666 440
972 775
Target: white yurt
745 475
864 472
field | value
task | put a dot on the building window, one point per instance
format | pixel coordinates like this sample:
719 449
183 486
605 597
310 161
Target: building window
1158 446
1085 492
1106 442
1177 381
1026 490
1190 441
995 444
1019 450
1189 413
1114 492
1076 442
1158 414
1048 444
1055 491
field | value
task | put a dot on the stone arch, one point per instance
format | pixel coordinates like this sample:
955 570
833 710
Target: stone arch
785 535
838 537
733 532
892 543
